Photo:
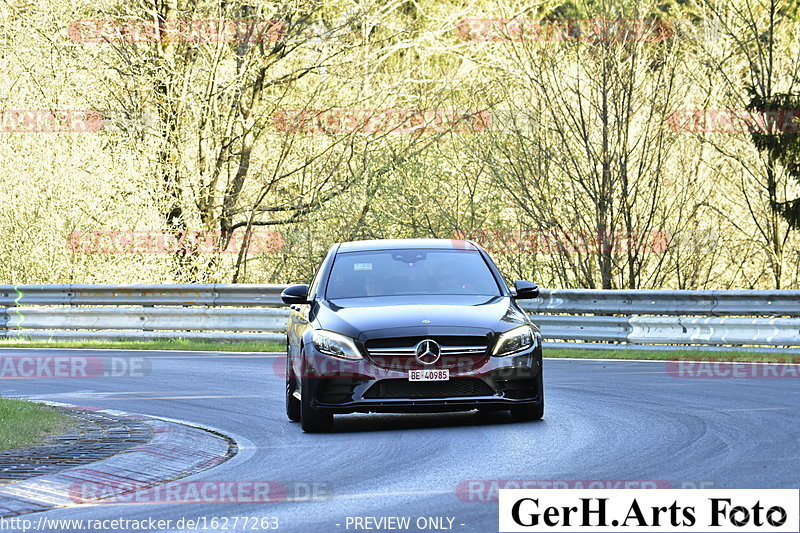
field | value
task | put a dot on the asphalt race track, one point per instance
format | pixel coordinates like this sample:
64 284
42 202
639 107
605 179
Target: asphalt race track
617 420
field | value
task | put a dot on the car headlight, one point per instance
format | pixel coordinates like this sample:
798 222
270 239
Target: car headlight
331 343
514 341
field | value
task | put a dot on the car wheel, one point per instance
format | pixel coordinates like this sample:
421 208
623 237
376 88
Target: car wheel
526 413
311 420
292 403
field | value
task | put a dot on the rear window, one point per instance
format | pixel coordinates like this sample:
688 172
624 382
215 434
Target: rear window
408 272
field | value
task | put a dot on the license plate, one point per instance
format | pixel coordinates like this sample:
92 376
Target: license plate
429 374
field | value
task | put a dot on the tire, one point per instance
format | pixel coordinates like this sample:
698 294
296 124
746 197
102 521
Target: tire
311 420
528 413
292 403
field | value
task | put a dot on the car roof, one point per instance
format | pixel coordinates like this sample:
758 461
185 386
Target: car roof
407 244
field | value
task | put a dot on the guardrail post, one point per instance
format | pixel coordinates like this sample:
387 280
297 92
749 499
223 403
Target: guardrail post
3 321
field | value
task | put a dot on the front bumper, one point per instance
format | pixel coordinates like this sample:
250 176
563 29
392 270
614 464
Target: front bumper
342 386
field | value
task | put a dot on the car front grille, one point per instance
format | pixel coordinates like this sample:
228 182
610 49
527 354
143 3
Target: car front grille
457 351
454 388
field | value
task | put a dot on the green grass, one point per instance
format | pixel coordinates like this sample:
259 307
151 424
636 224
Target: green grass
23 423
166 344
692 355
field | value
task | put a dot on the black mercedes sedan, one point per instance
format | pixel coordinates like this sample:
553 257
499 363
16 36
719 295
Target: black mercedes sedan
416 325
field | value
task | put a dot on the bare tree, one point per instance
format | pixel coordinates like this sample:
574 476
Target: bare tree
756 72
585 155
237 140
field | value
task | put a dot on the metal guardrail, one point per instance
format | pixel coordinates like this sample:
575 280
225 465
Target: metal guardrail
202 295
665 302
143 312
678 317
255 313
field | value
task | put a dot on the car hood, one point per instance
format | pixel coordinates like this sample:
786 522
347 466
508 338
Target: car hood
418 315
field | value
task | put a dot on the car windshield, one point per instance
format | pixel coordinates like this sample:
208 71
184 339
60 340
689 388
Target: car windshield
408 272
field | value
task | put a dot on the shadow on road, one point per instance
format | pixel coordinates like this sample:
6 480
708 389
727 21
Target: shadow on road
392 422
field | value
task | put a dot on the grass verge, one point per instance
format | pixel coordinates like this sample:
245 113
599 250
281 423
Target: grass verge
166 344
23 423
672 355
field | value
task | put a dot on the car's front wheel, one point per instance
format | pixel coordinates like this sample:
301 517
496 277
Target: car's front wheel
312 420
292 403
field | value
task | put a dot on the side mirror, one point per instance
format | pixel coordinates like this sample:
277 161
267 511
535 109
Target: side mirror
296 294
525 290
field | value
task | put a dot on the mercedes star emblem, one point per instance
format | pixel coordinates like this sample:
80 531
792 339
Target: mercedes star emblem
428 352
